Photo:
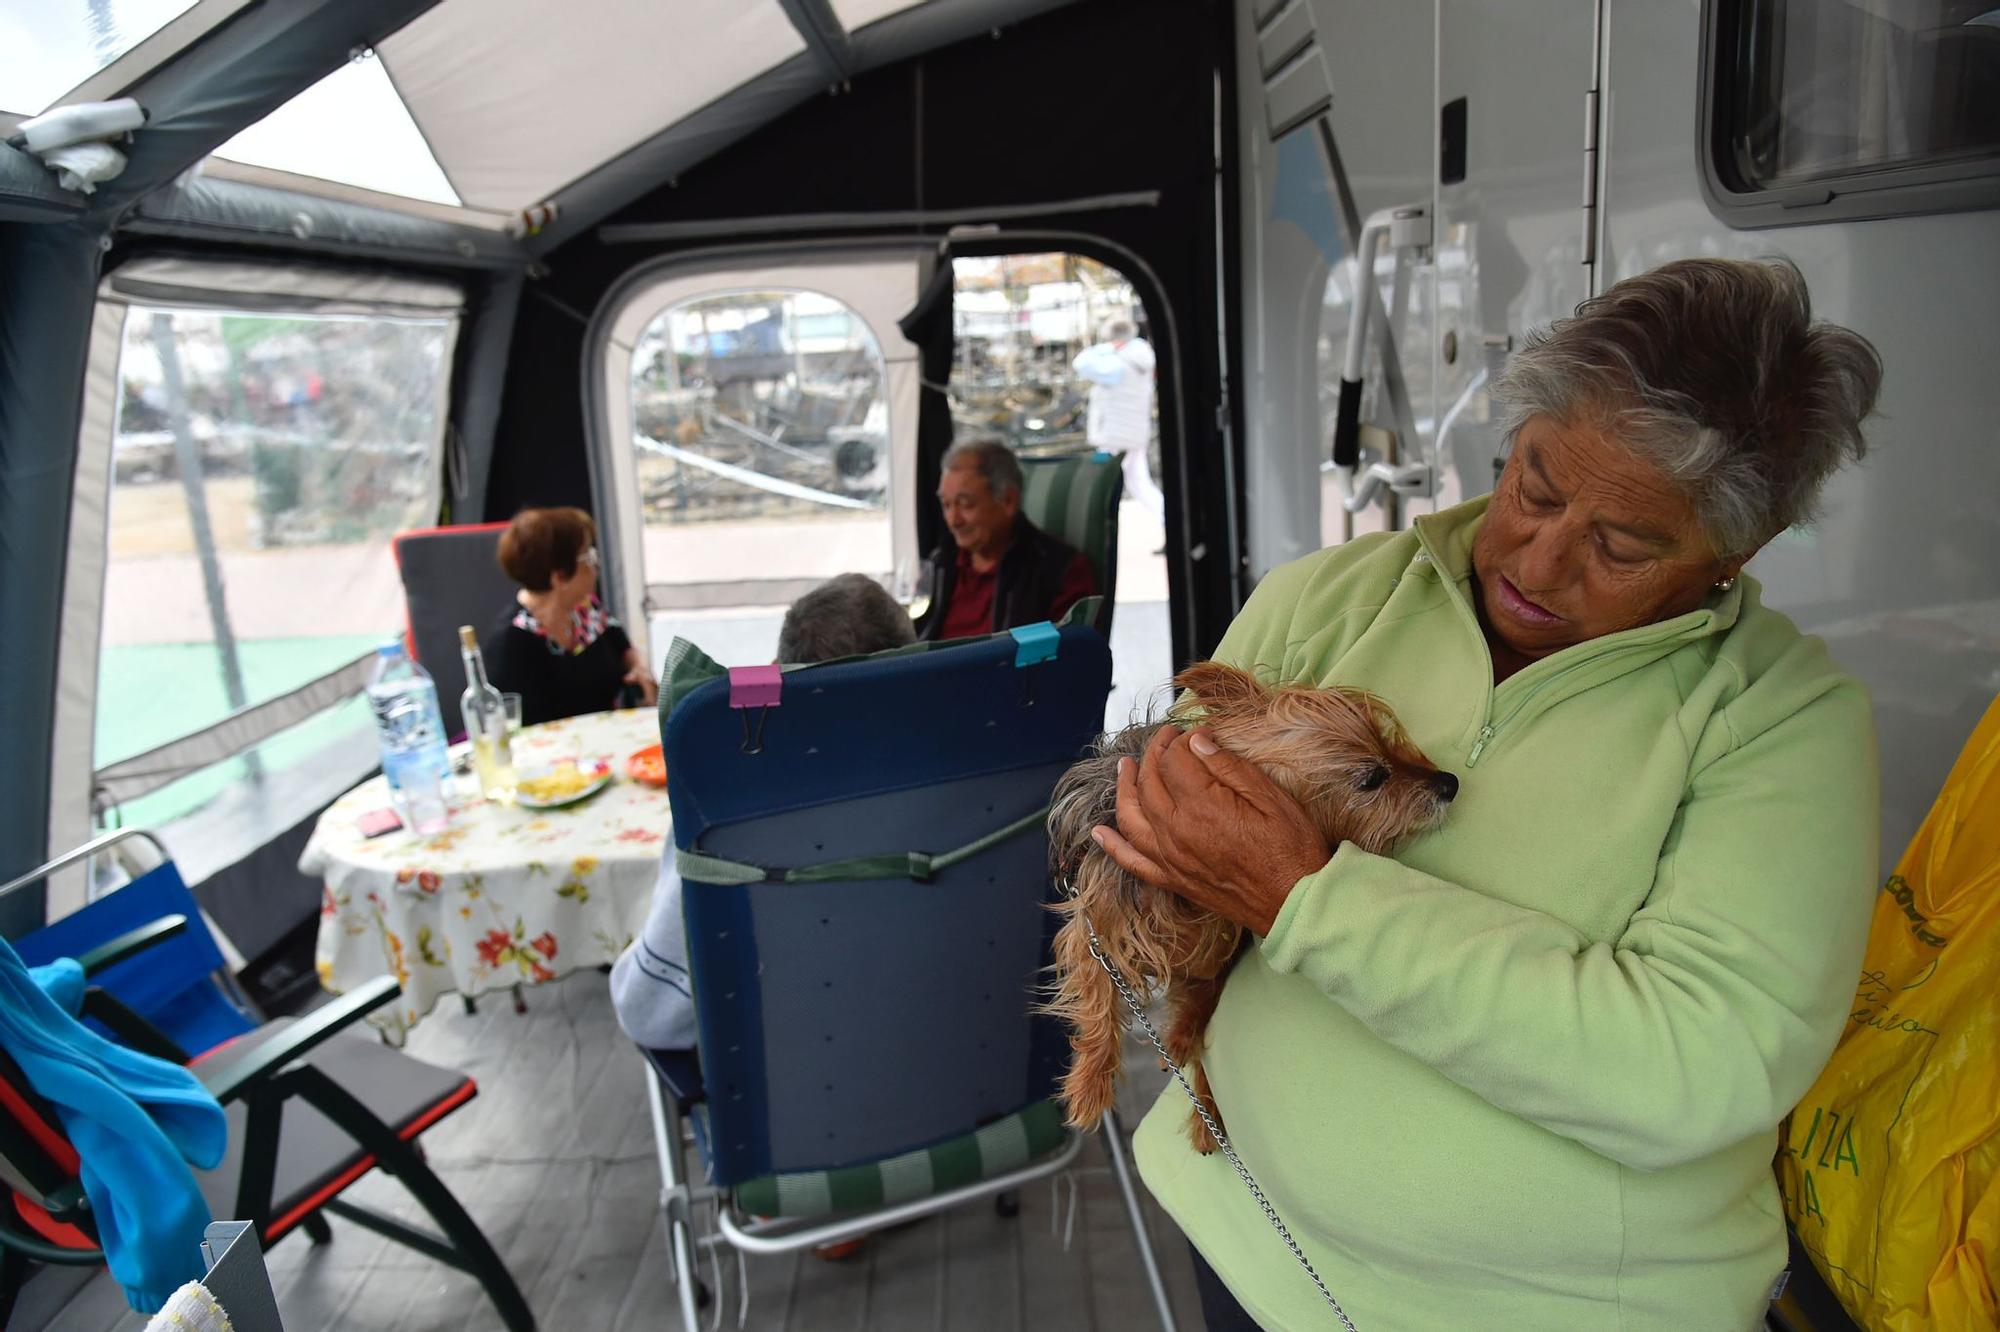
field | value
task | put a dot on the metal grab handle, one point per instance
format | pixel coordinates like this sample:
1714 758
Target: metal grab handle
1407 227
1412 478
84 852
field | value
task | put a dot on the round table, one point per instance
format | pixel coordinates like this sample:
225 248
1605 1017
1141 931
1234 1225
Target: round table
505 895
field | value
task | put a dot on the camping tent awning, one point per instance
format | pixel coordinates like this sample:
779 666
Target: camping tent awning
488 109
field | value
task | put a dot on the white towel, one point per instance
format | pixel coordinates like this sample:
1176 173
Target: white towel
190 1309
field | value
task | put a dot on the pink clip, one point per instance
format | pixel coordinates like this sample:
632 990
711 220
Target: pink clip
755 686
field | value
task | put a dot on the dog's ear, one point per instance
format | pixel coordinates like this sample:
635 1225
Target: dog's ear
1220 688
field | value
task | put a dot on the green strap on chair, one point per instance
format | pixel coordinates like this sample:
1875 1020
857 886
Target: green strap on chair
922 866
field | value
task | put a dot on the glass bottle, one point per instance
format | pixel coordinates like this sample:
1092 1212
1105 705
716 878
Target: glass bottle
485 723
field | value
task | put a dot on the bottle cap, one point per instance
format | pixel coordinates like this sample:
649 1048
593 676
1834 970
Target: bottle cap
392 648
466 638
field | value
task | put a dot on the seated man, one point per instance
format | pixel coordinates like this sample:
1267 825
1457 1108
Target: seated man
845 617
998 571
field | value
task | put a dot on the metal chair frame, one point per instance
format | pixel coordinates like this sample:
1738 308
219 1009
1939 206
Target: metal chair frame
96 846
273 1068
680 1196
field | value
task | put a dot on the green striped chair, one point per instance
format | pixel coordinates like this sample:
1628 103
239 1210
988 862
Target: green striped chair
1076 500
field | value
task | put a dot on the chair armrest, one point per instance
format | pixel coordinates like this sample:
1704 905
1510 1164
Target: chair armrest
113 951
129 1027
263 1055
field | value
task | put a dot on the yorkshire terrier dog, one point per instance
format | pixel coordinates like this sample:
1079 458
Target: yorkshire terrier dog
1339 752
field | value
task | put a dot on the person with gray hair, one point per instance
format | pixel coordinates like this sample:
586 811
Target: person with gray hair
847 616
998 571
1530 1070
1120 419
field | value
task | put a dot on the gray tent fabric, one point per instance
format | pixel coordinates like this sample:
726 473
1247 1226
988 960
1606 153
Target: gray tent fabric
239 74
49 273
28 190
206 208
484 344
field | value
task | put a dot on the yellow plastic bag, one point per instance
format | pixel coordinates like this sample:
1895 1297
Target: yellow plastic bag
1888 1166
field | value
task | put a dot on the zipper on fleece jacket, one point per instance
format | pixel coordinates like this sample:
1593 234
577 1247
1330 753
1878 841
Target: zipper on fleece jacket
1489 727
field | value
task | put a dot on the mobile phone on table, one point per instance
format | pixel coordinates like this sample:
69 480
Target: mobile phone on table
378 821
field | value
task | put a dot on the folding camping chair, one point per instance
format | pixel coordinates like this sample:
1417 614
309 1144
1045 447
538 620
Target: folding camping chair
451 576
865 876
312 1108
182 985
1076 500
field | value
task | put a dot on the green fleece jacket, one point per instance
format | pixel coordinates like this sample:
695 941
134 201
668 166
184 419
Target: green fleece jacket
1528 1073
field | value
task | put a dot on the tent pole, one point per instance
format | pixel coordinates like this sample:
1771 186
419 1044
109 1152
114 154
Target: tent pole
187 459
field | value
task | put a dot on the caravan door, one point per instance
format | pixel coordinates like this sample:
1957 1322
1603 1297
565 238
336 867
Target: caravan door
1515 218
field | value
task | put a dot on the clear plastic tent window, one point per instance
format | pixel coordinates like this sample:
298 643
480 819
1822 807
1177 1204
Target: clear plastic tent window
489 106
48 47
350 128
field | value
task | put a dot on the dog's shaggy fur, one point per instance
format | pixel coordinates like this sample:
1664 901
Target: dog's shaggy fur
1338 752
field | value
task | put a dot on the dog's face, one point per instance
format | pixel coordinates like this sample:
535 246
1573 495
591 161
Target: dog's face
1338 752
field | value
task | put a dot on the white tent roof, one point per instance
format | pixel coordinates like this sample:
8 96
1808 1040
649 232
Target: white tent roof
481 110
859 13
515 107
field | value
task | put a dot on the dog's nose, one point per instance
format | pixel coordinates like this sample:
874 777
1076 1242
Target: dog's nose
1446 786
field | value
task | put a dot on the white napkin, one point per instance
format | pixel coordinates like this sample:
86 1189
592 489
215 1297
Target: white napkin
190 1309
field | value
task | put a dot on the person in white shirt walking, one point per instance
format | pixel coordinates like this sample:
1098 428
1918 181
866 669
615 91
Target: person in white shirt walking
1120 371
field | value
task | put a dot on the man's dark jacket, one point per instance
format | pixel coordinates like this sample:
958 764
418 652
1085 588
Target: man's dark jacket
1030 576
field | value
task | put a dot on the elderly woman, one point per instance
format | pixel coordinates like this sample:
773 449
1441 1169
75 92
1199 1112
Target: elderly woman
1528 1073
557 647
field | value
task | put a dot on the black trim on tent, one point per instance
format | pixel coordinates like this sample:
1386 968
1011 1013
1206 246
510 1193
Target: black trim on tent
610 187
929 327
1082 102
49 274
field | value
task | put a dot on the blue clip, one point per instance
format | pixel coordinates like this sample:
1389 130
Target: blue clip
1101 456
1035 643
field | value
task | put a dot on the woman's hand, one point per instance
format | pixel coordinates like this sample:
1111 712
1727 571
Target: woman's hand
637 674
1206 825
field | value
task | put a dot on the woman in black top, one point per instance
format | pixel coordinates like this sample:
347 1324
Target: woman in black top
558 648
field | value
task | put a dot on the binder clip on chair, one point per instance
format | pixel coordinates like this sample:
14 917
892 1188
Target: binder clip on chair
312 1105
864 860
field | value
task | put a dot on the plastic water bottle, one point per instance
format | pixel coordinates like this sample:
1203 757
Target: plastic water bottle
410 730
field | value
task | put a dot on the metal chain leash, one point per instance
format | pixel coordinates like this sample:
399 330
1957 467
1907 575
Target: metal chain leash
1214 1129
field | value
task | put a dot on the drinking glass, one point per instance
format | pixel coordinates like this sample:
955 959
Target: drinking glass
494 755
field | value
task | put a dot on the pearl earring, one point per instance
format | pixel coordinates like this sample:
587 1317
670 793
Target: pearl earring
1725 584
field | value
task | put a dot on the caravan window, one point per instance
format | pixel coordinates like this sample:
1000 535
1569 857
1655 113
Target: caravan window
1852 107
259 467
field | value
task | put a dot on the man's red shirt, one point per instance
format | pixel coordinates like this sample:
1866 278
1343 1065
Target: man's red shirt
970 613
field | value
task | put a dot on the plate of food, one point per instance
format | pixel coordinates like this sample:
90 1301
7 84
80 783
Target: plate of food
647 766
564 782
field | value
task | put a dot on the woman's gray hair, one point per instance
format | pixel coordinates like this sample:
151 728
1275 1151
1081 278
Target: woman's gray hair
1713 371
995 461
847 616
1120 328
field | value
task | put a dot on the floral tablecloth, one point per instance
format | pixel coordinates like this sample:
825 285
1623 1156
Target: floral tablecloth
505 895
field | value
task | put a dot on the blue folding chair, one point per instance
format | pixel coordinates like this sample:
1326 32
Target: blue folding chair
864 857
181 985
